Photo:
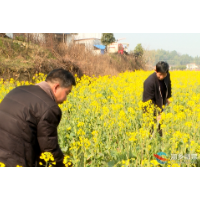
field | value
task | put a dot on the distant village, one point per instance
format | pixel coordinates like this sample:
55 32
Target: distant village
190 66
92 42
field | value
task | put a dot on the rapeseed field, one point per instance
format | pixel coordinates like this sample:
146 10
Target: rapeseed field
103 123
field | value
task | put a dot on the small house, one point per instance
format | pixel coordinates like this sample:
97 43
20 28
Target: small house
99 49
191 66
88 39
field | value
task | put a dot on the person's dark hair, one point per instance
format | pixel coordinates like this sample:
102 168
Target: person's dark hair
162 67
64 77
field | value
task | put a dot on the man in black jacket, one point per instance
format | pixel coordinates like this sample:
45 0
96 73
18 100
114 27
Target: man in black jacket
157 87
30 116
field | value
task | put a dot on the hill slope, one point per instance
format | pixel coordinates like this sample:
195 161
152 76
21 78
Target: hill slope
21 60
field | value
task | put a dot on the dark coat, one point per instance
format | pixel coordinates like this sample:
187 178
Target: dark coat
28 126
152 90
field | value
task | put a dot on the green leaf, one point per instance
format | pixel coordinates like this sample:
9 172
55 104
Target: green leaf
101 154
113 153
111 163
65 149
89 156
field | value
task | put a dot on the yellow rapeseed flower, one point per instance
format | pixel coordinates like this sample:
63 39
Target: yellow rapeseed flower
2 164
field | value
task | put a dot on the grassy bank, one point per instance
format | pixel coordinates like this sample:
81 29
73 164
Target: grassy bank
21 60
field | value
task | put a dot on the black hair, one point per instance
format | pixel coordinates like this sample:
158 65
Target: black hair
162 67
64 77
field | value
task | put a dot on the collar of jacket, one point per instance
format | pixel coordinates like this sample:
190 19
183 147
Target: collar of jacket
45 86
158 80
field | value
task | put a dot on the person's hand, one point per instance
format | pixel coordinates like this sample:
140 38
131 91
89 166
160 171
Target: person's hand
158 117
168 102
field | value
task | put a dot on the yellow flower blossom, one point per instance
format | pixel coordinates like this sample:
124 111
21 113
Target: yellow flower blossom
2 164
103 114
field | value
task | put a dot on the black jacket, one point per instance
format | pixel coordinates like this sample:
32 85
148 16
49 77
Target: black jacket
28 126
152 90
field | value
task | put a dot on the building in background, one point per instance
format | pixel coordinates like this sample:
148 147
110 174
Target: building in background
64 37
99 49
91 41
10 35
38 36
67 38
191 66
41 37
88 39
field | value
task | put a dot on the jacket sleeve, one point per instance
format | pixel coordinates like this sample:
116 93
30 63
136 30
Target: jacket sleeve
148 92
169 88
47 134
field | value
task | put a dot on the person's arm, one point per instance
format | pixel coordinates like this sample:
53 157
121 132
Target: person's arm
169 94
148 92
170 88
47 135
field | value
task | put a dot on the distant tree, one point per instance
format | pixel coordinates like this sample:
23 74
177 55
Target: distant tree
139 50
197 60
172 57
179 67
107 38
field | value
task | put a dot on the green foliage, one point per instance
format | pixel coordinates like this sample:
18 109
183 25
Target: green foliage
172 57
1 43
139 50
50 55
179 67
20 38
16 47
107 38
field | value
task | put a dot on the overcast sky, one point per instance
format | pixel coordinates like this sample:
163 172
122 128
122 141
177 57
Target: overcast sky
183 43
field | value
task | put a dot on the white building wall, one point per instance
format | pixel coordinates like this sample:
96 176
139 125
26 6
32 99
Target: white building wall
87 35
39 36
10 35
191 66
69 38
89 44
96 52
